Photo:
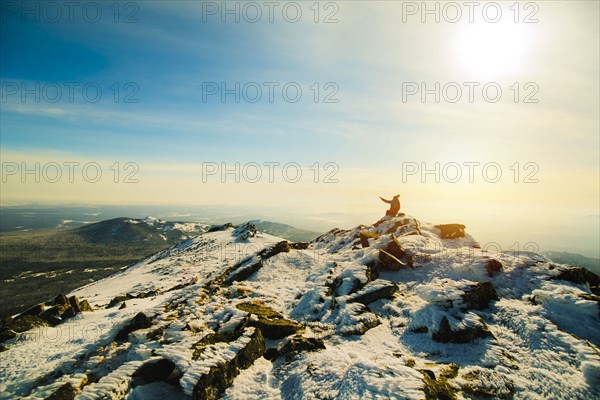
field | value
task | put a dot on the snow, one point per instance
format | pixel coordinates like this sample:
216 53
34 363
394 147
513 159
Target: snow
545 340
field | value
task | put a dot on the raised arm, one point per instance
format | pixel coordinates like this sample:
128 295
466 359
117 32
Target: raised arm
385 201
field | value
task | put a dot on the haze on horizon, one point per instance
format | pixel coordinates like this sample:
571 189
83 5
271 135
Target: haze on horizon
355 133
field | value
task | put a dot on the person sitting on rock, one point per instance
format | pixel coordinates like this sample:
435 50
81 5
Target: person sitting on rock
394 205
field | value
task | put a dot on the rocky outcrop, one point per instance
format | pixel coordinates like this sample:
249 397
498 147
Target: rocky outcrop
11 327
244 270
245 231
439 387
219 377
50 313
486 383
582 276
218 228
247 267
451 231
299 245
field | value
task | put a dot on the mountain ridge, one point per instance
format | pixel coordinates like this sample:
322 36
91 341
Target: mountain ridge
389 309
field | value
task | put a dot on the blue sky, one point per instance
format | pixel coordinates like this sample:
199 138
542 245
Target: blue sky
170 52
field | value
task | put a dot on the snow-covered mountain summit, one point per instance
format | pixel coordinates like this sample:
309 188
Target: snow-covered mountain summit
398 309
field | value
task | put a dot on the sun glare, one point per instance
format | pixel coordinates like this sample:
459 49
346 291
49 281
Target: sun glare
491 50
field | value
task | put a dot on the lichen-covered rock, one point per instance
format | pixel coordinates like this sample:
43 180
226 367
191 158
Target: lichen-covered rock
140 321
479 296
270 322
276 328
259 310
299 343
438 388
364 237
486 383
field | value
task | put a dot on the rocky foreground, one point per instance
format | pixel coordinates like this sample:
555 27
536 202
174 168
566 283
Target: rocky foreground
398 309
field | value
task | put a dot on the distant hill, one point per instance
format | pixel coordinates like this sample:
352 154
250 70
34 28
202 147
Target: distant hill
285 231
564 257
35 264
130 230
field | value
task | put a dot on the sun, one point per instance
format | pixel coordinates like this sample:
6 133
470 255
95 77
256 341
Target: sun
490 50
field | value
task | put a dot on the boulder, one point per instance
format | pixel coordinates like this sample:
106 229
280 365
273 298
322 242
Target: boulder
493 266
259 310
276 328
74 303
52 315
478 297
299 343
140 321
271 323
364 237
468 334
158 370
395 248
389 262
61 300
35 310
378 289
280 247
451 231
117 300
